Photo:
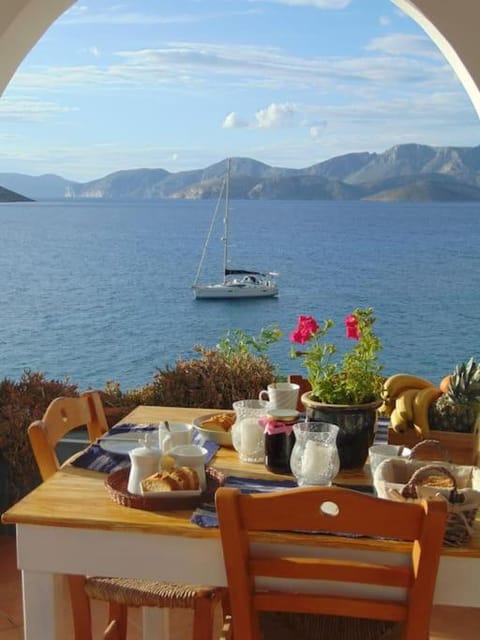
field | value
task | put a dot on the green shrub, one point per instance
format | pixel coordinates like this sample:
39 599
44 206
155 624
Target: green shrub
21 402
212 380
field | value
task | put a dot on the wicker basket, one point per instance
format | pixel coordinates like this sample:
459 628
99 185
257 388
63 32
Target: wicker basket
401 479
116 484
462 507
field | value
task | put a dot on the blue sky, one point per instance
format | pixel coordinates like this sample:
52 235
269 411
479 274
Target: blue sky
182 84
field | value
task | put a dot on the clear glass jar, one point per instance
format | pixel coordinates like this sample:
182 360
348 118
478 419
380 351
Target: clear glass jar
314 459
247 431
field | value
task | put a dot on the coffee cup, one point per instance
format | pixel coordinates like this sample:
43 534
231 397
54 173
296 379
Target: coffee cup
176 434
281 395
193 456
380 452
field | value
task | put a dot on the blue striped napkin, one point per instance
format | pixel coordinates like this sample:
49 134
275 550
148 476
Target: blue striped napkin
381 435
95 458
206 516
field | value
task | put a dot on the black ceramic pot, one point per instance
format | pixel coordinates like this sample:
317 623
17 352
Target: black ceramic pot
357 427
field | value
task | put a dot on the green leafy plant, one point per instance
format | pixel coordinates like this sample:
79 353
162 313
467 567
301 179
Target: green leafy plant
355 377
239 341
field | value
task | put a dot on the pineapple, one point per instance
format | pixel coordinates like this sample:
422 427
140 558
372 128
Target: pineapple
457 408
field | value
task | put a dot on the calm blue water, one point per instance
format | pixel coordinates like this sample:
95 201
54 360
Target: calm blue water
101 291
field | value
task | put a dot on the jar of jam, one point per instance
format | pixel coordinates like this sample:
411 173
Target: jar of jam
279 439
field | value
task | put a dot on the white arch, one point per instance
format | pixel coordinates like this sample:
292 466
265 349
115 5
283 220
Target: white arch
22 24
452 25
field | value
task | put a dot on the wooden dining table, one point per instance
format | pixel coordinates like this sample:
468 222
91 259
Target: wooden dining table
71 525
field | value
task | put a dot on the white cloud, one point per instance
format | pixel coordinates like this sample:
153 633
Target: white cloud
319 4
400 44
116 15
276 116
232 121
94 51
119 16
384 21
200 66
30 110
317 131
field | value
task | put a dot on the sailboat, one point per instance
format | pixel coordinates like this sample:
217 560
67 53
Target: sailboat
236 283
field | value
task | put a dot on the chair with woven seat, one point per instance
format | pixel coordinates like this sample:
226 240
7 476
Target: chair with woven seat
324 587
61 416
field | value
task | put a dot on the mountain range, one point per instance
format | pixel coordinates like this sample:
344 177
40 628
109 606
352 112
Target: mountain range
408 172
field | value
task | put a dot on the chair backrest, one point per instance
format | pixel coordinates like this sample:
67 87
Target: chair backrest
61 416
304 385
312 574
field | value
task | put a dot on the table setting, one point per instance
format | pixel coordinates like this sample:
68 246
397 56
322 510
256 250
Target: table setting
54 516
266 431
110 453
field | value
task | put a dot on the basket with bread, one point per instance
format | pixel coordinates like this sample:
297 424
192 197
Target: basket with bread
171 487
172 480
411 479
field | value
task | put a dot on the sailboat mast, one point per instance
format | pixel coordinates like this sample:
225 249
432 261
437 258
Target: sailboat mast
225 222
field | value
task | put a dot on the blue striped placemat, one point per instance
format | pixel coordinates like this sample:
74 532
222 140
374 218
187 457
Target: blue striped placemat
95 458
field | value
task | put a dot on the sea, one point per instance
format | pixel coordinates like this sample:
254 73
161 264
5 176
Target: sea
96 291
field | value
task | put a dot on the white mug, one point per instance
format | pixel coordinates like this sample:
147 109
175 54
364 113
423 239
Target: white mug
380 452
193 456
178 433
281 395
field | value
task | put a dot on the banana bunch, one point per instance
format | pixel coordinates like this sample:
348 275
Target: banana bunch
406 399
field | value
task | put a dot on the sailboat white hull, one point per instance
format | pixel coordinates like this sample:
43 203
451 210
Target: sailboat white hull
234 291
237 283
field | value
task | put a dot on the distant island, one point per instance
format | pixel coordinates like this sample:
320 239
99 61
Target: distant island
10 196
408 173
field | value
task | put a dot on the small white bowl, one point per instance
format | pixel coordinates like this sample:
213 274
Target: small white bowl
223 438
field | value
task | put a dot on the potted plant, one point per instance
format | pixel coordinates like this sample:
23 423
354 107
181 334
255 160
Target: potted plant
345 389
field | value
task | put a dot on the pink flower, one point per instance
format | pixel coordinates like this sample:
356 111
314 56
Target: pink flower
351 327
305 329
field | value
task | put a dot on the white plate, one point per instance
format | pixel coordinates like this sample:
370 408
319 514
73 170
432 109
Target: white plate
122 443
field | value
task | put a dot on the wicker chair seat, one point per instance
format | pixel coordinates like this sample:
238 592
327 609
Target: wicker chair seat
132 592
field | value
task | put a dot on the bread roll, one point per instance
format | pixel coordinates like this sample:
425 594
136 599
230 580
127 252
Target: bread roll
219 422
437 480
160 481
180 479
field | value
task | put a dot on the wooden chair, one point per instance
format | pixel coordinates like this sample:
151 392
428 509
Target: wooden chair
61 416
304 385
344 612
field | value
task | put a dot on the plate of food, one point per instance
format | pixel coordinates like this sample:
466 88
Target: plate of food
216 427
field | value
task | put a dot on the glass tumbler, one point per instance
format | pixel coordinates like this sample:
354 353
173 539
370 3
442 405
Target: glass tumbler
247 432
314 459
